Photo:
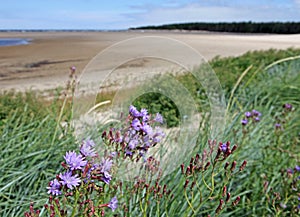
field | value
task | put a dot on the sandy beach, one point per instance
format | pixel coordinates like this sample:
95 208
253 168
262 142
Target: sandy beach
44 63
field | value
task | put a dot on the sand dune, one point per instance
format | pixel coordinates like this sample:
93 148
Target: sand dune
44 63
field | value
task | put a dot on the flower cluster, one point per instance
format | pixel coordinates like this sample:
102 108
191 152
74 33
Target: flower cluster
81 170
137 136
86 174
254 115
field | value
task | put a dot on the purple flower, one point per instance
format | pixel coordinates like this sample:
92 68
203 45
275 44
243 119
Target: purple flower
144 115
256 113
158 135
128 153
54 187
297 168
277 126
113 203
113 154
288 106
105 165
106 178
244 122
87 148
257 119
118 137
248 114
136 124
133 143
147 129
75 161
158 118
134 112
146 141
283 205
289 171
69 180
224 147
73 68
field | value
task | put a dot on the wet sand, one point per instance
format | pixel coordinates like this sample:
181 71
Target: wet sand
45 62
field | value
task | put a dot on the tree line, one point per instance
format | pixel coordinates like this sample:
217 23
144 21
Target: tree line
238 27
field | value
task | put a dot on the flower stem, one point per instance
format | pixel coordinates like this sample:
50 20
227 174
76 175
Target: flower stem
188 201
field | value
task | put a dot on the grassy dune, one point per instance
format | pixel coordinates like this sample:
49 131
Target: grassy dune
33 143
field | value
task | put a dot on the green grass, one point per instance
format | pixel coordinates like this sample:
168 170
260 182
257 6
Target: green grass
33 143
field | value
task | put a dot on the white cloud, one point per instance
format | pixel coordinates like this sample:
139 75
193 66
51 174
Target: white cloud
171 11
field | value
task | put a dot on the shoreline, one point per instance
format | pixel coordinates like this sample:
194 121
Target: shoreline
44 63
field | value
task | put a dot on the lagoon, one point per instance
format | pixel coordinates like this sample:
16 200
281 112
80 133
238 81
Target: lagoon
13 41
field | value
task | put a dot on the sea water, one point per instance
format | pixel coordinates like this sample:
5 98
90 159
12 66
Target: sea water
13 41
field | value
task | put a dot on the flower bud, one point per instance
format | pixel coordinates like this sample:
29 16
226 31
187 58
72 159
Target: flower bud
243 165
192 185
233 165
224 191
236 201
187 172
182 168
233 148
226 165
228 197
207 165
186 183
219 208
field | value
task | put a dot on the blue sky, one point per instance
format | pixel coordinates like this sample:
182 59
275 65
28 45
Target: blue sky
122 14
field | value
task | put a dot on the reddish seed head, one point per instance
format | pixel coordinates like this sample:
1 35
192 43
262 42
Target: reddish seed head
224 191
31 207
266 184
186 183
233 148
52 208
228 197
182 168
207 165
187 172
158 188
218 153
56 201
233 165
197 158
243 165
219 208
228 152
165 189
226 165
236 201
192 185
